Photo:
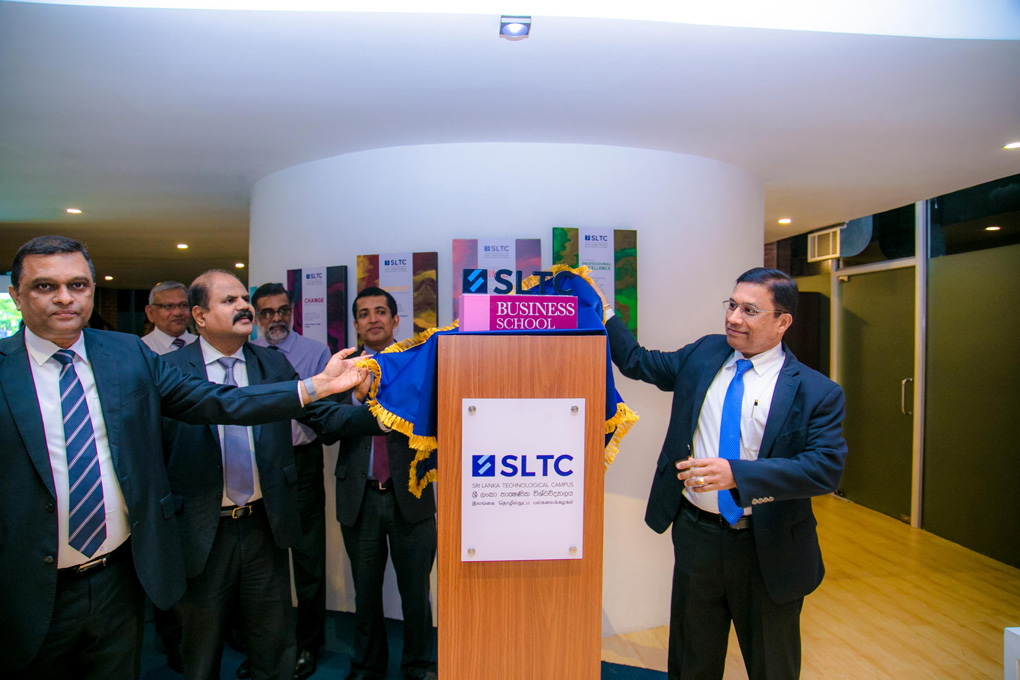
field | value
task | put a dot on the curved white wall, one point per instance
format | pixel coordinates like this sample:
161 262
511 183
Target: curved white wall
699 223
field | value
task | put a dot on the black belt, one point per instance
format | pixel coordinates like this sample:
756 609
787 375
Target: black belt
239 511
383 487
96 563
712 518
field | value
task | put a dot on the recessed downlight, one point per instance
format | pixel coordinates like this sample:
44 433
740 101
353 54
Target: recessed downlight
1012 145
785 220
182 246
239 265
108 278
992 228
73 211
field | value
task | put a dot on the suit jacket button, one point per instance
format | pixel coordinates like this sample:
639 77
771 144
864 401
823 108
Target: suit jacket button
50 507
48 559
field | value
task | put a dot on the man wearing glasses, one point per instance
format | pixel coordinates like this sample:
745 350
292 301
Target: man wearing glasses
753 435
168 310
273 309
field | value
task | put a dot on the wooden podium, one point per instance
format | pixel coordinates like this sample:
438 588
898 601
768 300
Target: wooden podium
527 620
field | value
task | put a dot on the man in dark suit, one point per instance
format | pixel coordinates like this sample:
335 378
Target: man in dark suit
373 504
83 535
239 515
754 435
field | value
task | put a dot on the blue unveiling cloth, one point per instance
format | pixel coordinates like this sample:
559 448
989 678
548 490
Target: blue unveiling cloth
403 394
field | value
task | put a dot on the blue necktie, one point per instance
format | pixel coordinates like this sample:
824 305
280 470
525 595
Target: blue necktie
236 451
729 436
86 513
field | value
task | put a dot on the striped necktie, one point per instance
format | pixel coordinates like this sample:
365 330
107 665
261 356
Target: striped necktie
86 515
729 436
240 481
178 343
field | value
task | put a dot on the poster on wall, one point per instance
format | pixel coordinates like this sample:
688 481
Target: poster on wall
522 254
411 279
611 255
319 298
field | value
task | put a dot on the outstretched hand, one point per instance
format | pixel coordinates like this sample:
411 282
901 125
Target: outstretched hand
340 375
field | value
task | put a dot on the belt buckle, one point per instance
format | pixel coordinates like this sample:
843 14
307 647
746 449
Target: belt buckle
240 511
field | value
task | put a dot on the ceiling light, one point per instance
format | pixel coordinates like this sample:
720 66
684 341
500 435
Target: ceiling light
785 220
74 211
992 228
182 246
514 28
1012 145
239 265
108 278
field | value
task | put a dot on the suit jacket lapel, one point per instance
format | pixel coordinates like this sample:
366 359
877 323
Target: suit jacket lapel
713 362
782 399
107 376
16 384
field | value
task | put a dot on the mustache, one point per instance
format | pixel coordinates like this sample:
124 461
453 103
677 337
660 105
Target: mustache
244 314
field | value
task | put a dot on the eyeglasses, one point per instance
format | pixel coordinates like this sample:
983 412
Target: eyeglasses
284 312
180 306
748 310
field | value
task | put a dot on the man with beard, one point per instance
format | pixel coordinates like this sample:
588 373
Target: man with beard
169 312
308 554
239 517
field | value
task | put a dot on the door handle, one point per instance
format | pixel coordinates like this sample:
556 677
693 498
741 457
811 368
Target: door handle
903 396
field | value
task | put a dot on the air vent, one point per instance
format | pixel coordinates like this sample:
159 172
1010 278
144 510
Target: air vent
823 245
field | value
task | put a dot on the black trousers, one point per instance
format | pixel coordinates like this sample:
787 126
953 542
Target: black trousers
245 567
308 554
413 548
96 630
716 580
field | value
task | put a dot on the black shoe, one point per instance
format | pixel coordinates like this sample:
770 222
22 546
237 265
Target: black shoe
173 658
305 665
421 675
243 671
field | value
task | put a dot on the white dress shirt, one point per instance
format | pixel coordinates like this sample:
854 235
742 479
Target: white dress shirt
759 386
216 373
161 343
308 357
46 376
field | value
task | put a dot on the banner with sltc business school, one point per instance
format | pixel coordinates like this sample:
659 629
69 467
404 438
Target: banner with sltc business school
521 254
411 279
319 298
611 256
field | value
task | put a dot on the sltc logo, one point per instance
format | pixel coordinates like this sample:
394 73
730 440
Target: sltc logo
476 281
395 263
483 466
496 249
522 466
596 237
314 275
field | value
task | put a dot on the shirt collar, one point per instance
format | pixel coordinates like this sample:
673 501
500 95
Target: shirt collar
211 355
41 350
762 362
166 338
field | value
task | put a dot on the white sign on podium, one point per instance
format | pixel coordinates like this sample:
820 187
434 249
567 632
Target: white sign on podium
522 495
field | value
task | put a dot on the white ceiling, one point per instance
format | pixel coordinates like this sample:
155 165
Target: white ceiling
157 122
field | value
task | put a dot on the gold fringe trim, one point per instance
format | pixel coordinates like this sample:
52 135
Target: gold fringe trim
419 339
619 425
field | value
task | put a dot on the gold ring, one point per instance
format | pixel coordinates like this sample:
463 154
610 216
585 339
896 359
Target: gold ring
701 481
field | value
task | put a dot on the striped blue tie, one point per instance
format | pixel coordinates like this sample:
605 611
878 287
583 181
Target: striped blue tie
86 516
729 436
236 449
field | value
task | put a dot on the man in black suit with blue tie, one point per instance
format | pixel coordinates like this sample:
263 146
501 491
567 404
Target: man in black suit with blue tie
753 435
87 520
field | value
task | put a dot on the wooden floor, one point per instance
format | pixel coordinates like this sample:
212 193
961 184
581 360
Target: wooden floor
896 603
